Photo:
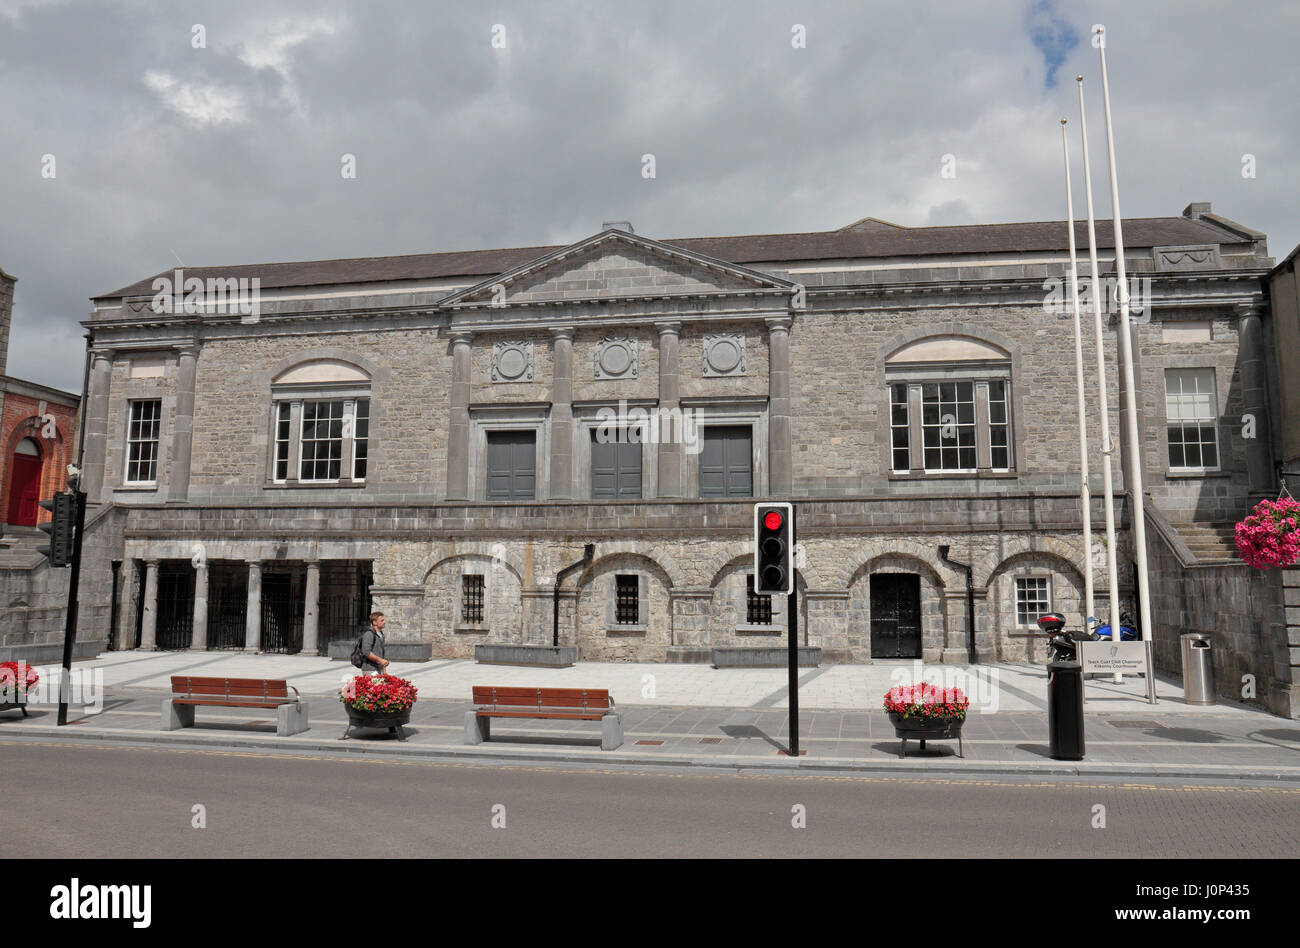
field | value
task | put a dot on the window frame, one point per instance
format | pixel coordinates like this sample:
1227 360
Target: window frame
462 620
1046 580
1212 422
156 461
913 377
289 450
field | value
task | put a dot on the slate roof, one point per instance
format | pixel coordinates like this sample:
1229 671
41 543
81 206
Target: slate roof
862 239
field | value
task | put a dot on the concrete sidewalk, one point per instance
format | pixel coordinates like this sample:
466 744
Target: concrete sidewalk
738 720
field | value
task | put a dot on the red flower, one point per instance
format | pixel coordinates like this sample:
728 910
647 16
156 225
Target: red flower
927 701
381 693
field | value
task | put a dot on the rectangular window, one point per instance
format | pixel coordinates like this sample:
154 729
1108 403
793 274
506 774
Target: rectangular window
1033 599
627 600
948 425
143 426
471 599
727 461
758 606
615 464
511 465
999 427
282 441
1191 411
322 441
898 428
361 439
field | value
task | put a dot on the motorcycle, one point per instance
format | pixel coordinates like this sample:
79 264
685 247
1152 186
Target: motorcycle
1127 631
1061 645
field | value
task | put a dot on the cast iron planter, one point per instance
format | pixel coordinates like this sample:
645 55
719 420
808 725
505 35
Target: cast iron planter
10 705
377 719
922 729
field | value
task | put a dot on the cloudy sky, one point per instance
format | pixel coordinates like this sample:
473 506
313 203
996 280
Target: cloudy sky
214 133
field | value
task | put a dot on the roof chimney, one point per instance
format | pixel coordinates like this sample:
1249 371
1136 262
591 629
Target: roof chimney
626 226
1196 209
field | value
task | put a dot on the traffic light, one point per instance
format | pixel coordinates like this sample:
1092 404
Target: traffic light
774 548
61 528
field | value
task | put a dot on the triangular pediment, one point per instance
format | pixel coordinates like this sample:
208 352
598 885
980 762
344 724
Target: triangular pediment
615 265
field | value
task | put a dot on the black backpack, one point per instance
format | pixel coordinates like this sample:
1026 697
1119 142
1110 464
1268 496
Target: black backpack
358 652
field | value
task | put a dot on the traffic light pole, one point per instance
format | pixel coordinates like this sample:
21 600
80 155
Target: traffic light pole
792 625
70 628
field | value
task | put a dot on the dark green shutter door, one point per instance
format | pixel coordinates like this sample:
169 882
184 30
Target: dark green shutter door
615 468
511 468
726 462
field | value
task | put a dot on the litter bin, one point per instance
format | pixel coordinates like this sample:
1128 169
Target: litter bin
1198 668
1065 710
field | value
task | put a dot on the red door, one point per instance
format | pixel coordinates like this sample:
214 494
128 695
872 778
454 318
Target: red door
24 490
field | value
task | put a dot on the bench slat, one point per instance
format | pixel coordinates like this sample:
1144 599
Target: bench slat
535 714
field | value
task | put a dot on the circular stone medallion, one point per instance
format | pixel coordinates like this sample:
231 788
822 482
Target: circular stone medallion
511 364
724 355
615 359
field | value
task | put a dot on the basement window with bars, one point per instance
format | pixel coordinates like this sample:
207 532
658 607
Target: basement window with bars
471 599
758 606
627 599
143 426
1033 599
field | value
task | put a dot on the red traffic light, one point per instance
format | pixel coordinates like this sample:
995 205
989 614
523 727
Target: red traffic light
772 520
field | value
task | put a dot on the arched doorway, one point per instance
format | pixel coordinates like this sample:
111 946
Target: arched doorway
24 484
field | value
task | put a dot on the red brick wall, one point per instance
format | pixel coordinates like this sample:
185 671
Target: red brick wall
18 420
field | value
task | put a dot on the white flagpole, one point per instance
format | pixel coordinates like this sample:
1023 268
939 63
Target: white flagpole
1126 366
1085 495
1107 448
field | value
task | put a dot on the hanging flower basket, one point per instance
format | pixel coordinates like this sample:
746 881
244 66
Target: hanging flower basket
13 693
1269 536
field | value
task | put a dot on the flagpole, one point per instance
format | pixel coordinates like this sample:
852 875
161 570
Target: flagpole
1085 495
1107 448
1126 366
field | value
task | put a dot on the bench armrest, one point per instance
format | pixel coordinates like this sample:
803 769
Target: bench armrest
297 698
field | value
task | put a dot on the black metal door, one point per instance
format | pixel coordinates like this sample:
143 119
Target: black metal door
281 614
227 608
895 615
175 605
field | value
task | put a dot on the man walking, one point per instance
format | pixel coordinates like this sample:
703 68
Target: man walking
372 646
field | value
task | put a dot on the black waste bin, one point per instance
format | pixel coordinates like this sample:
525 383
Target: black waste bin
1065 710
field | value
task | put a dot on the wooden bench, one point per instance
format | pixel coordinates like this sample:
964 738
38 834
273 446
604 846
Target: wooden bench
570 704
189 693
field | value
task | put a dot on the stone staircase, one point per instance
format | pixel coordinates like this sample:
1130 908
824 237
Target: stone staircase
18 547
1209 541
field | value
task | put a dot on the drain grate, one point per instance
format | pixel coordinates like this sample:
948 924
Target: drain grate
710 740
650 743
1135 724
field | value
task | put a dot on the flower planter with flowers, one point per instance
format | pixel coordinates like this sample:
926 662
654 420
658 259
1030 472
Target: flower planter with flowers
379 701
1269 536
13 692
926 713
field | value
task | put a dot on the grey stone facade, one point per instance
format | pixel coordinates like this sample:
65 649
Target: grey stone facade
813 343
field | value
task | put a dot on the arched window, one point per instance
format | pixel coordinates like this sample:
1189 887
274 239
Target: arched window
950 407
320 424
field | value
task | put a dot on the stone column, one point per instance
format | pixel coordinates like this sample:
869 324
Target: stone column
199 631
458 430
253 617
779 458
311 611
1259 451
97 424
670 425
178 476
562 414
149 625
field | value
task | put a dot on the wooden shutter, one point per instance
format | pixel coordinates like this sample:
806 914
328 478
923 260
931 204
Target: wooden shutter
511 465
615 468
727 462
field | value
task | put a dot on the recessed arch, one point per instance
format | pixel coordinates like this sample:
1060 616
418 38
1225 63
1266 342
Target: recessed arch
315 371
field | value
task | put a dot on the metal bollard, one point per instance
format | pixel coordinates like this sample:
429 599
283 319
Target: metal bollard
1065 710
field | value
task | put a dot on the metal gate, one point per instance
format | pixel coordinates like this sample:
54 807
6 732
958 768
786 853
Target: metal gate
227 608
175 605
281 614
895 615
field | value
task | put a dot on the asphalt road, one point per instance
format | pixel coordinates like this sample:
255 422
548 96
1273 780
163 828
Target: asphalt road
85 801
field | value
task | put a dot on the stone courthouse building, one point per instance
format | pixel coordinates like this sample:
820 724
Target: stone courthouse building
439 435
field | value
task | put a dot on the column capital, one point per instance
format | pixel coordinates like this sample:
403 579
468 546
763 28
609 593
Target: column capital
152 561
253 563
461 337
102 354
184 349
1248 309
669 328
778 323
562 332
